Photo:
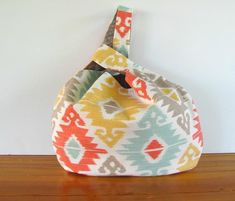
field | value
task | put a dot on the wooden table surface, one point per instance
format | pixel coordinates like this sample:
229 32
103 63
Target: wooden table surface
41 178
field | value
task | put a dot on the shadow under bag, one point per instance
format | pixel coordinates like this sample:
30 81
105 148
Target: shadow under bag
116 117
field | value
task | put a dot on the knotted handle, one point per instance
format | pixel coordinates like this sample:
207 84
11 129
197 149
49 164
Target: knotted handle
111 59
113 54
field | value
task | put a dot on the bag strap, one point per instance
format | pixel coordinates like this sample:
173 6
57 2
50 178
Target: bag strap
119 32
113 55
111 59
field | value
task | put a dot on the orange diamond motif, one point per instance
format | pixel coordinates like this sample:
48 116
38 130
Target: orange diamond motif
154 149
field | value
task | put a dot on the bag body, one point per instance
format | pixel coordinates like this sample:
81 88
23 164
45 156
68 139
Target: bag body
116 117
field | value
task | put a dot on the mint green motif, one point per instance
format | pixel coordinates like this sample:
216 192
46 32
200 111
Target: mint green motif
153 124
123 8
123 50
73 148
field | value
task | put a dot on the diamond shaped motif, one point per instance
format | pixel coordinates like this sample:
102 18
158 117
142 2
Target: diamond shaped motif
155 145
154 149
73 149
110 107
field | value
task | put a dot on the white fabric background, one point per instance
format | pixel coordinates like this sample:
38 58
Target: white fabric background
42 43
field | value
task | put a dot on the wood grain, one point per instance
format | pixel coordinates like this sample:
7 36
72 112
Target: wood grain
41 178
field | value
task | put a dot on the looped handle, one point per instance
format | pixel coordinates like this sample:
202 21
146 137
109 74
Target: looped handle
113 54
119 32
111 59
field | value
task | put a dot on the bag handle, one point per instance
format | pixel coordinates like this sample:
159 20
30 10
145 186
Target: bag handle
119 32
111 59
113 56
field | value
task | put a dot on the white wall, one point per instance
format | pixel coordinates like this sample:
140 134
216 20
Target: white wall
42 43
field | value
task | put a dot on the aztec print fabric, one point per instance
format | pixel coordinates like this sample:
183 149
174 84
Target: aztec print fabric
117 118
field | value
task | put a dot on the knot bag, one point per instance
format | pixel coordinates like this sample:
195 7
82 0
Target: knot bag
116 117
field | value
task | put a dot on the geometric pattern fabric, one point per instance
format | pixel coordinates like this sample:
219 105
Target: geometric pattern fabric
116 117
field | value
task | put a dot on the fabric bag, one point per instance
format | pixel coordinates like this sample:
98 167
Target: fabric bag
116 117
